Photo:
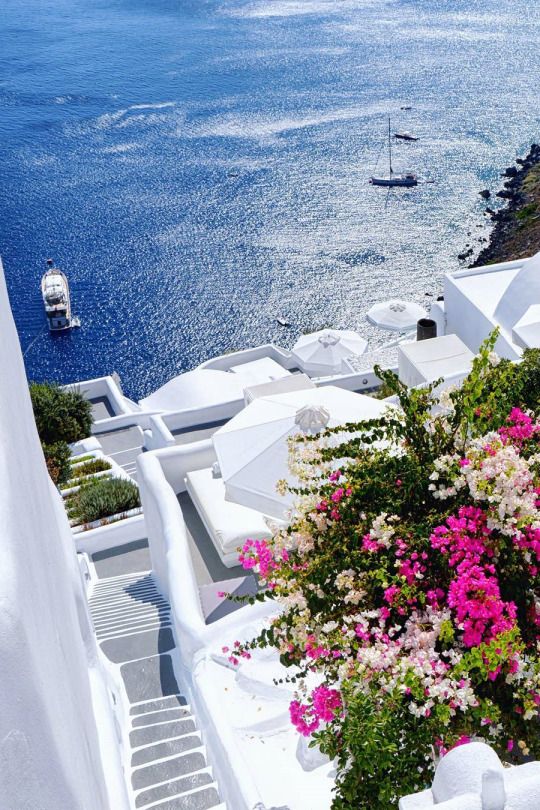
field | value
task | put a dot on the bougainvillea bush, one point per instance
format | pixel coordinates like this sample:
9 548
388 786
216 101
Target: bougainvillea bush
409 581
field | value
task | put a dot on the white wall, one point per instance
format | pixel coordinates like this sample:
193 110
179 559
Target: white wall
50 750
172 563
467 321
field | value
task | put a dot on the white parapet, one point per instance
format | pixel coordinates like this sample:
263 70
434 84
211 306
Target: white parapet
472 777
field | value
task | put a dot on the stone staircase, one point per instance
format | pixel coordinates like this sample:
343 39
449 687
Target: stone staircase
123 445
169 766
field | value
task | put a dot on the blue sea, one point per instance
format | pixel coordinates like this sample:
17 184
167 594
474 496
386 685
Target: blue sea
199 167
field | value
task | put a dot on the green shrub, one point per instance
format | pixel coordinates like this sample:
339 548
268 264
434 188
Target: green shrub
60 415
409 577
530 379
79 480
57 458
102 497
89 467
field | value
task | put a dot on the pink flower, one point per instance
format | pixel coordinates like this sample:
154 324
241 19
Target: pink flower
391 593
521 427
325 704
259 554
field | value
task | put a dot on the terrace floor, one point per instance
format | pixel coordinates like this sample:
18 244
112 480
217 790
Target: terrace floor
196 433
206 561
101 408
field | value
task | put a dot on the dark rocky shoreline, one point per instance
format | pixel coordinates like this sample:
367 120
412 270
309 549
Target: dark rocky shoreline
517 226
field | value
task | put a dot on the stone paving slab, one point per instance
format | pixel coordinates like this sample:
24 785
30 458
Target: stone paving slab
139 645
114 441
165 749
162 703
149 678
169 769
160 717
127 559
161 731
172 788
202 800
101 408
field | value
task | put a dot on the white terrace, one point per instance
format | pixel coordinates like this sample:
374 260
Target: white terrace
128 700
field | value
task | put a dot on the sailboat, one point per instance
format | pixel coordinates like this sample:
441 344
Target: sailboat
407 179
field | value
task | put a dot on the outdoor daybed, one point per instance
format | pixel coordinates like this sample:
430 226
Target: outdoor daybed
228 524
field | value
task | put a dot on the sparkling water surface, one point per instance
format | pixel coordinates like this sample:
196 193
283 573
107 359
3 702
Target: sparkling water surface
199 167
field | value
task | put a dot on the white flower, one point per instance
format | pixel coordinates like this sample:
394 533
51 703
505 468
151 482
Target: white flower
493 359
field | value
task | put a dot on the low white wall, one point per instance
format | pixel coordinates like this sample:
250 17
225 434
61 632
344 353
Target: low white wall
126 413
158 435
139 419
175 420
277 353
105 387
171 559
237 784
170 555
111 535
351 382
177 461
438 314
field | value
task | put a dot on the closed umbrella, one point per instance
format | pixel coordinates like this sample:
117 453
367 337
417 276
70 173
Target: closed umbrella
323 352
252 448
396 315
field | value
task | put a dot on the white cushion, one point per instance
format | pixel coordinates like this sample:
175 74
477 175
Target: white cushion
228 524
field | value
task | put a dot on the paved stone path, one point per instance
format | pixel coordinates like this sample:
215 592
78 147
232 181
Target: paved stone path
123 445
169 768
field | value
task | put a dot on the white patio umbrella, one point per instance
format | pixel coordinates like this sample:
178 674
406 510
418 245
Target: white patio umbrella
396 315
323 352
252 447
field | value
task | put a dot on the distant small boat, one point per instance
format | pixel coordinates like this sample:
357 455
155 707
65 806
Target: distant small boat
283 321
56 299
407 107
405 136
407 179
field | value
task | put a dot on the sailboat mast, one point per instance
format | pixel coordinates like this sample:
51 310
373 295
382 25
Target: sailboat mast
390 148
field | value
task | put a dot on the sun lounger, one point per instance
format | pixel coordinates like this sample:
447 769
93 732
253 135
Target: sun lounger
228 524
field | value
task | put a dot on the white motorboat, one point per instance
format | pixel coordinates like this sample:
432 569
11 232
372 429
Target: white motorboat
56 299
407 179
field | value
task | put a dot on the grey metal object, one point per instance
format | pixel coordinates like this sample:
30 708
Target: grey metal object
426 328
